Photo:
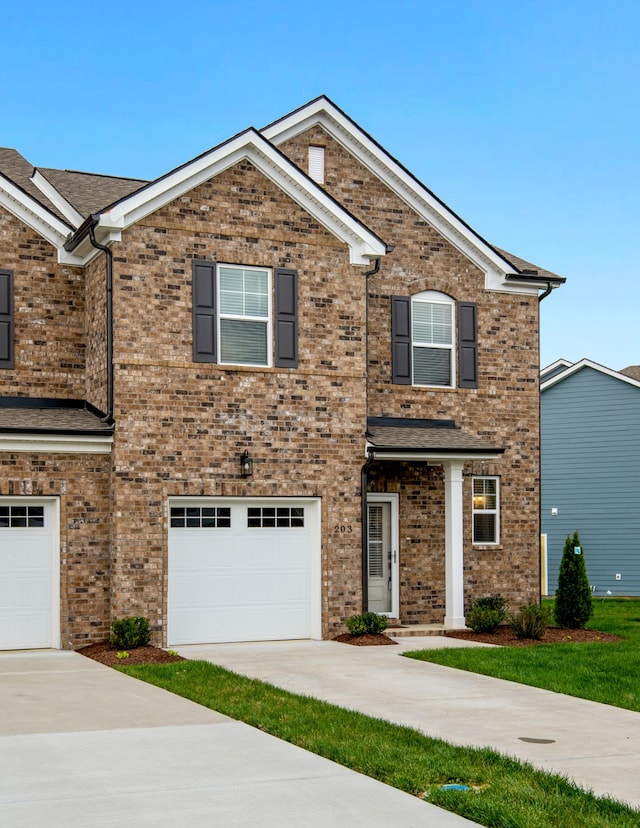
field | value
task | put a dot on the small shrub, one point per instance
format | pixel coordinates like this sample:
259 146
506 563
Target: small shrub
574 599
486 614
122 654
531 622
129 633
367 623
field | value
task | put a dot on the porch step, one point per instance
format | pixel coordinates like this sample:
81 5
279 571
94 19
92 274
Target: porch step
403 630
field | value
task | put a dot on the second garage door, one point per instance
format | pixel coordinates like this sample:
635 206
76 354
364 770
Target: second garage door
243 570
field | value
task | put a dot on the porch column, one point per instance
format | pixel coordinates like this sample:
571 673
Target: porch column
454 545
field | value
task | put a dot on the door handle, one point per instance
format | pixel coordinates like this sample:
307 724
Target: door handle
395 556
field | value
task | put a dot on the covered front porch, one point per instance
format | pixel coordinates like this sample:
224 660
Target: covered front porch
413 513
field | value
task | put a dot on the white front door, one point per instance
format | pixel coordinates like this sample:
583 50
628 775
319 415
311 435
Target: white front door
382 554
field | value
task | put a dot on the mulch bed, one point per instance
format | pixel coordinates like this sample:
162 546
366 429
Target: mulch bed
106 654
368 640
505 637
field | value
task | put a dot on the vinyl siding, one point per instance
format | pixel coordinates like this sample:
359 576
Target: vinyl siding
590 453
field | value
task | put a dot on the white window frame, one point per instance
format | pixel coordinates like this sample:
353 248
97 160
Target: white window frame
266 320
478 509
433 297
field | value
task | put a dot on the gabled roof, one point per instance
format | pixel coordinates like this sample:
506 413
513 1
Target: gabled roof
503 271
578 366
554 368
248 145
87 192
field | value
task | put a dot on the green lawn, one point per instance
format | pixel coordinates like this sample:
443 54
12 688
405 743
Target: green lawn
608 673
506 793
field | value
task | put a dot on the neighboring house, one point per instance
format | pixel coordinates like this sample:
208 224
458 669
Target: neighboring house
279 384
590 449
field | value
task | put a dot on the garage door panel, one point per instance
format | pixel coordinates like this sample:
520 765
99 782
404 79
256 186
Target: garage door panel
241 582
28 574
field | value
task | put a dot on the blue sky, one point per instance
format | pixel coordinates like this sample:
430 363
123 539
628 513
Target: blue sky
523 117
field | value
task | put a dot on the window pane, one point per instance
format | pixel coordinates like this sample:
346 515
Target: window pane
484 528
432 366
243 343
244 292
431 323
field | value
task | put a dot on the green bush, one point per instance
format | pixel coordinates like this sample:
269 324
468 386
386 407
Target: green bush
531 622
368 623
129 633
486 614
574 601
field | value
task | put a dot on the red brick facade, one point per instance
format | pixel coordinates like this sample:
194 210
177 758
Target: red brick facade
181 425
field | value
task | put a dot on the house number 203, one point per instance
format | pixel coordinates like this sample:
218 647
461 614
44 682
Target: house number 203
343 529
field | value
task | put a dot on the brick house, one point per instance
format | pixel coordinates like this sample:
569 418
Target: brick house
279 384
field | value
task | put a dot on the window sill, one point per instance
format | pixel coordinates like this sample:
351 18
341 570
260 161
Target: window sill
487 547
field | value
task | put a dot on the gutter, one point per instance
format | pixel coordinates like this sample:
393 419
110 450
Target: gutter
87 228
533 277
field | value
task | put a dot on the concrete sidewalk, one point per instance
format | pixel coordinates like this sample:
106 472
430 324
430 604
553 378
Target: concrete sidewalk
83 746
596 745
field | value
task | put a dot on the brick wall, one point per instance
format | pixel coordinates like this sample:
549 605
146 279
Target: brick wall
503 410
49 317
181 426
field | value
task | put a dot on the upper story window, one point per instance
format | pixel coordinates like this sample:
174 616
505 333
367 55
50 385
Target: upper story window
434 341
245 315
432 327
486 510
245 312
6 319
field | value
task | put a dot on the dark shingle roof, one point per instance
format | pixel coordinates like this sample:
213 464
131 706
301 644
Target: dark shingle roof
632 371
403 434
17 169
522 264
19 415
90 193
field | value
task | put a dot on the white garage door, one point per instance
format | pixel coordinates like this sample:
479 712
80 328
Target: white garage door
29 597
243 570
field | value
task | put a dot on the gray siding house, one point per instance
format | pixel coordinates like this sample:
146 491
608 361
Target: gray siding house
590 468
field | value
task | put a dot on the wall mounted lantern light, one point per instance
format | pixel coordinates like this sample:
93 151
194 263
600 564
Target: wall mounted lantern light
246 464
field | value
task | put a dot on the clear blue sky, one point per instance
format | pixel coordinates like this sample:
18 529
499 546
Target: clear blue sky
524 117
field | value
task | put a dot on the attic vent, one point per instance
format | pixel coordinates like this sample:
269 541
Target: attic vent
316 164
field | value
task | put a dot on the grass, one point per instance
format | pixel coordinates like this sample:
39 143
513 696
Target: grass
506 793
608 673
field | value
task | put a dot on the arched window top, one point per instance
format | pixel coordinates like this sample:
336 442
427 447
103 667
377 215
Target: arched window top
432 296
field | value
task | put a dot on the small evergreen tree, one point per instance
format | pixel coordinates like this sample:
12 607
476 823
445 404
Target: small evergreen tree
574 602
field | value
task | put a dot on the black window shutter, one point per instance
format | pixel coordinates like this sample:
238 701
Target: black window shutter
401 339
467 345
204 311
6 319
286 287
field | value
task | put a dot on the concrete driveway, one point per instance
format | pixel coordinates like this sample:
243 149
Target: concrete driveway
83 746
595 744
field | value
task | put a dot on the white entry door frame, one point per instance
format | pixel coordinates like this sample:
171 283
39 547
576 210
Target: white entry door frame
390 563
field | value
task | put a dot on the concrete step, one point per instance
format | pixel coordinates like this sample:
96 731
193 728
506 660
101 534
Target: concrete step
414 629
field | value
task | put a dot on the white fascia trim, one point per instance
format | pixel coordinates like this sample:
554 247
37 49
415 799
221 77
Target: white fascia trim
587 363
363 244
56 444
432 457
378 162
34 215
67 210
559 363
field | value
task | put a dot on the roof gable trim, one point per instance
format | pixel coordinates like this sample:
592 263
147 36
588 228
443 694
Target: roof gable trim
587 363
32 213
378 161
250 145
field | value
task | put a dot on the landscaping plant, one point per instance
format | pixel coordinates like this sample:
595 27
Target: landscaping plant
367 623
531 622
574 601
130 632
486 614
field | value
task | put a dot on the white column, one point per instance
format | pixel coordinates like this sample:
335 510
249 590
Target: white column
454 545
